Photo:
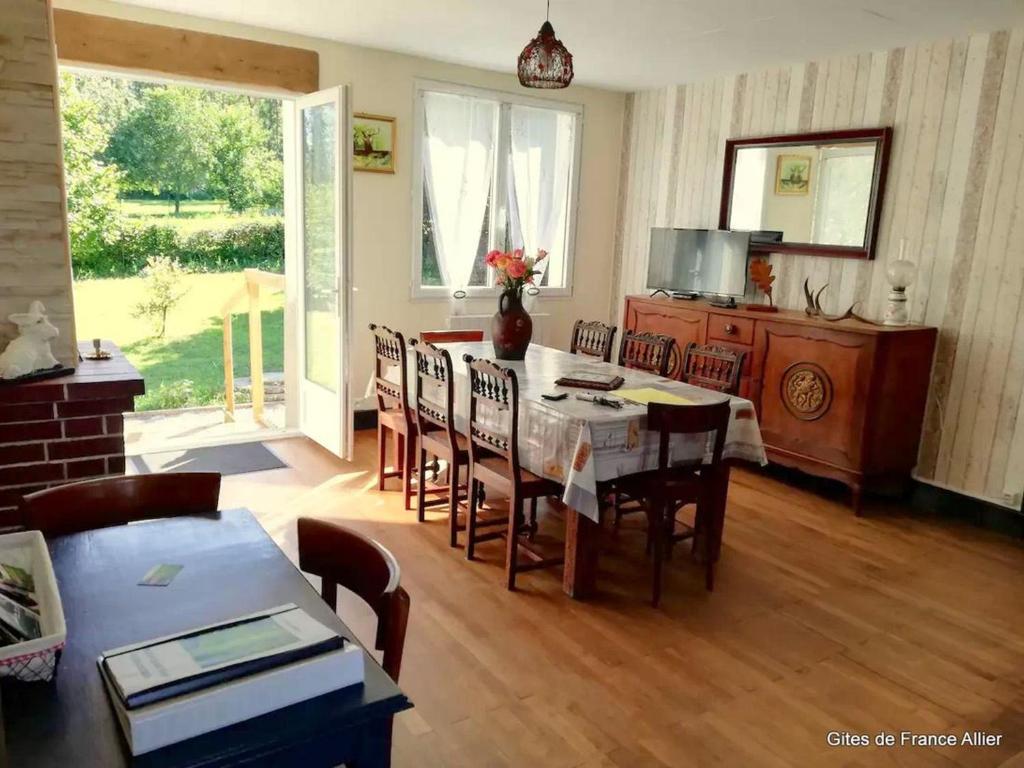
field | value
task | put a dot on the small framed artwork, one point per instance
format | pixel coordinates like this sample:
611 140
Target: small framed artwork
373 143
793 175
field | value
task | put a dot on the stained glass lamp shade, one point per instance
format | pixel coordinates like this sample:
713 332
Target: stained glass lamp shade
545 62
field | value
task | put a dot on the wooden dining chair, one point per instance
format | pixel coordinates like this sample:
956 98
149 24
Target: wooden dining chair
110 501
435 423
342 557
713 367
394 415
651 352
446 337
593 339
670 487
494 465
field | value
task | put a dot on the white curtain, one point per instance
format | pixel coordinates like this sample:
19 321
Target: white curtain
458 164
540 167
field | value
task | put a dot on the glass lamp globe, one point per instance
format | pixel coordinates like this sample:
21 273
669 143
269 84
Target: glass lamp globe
901 273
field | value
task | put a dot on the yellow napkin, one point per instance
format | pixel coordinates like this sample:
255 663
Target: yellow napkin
646 395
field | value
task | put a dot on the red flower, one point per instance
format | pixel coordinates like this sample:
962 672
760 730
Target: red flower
492 257
516 268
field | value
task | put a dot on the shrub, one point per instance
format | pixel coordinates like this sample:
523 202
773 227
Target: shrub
163 290
253 244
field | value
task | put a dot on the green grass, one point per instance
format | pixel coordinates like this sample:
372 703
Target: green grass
195 216
150 208
186 367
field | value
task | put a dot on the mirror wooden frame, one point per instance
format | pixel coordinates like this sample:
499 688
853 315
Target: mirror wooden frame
881 136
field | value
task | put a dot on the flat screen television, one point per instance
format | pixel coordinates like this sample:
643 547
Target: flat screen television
710 262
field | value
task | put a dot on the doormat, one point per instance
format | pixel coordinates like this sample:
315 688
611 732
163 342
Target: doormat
236 459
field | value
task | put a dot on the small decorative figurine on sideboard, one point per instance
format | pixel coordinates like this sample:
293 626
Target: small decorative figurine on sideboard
761 275
28 356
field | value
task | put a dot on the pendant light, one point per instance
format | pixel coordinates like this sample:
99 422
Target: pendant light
545 62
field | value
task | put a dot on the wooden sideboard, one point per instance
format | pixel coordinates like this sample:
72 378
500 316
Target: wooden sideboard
843 400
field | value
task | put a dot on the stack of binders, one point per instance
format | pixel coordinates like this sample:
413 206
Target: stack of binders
173 688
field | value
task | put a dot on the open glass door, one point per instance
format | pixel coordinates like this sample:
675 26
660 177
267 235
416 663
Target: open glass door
322 195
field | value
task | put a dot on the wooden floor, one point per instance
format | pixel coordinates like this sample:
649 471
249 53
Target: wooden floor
819 622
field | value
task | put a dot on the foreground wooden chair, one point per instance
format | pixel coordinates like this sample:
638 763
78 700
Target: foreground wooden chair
394 415
435 423
340 556
109 501
667 488
446 337
713 367
494 464
593 339
651 352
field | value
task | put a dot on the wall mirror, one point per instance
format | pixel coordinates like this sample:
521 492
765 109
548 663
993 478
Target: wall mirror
810 193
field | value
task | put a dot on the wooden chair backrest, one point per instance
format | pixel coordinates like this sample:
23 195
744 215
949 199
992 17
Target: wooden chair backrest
593 338
109 501
340 556
651 352
445 337
668 420
498 388
713 367
434 371
389 347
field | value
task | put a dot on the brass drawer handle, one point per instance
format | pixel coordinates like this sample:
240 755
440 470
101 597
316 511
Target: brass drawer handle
730 329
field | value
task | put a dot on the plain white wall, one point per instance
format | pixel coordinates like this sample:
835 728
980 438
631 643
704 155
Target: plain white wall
382 83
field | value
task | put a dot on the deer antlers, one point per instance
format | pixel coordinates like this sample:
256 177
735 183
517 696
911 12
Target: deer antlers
814 309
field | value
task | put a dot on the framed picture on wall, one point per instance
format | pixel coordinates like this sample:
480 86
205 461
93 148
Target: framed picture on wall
793 175
373 143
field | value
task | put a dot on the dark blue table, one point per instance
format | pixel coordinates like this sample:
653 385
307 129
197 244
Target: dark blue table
231 568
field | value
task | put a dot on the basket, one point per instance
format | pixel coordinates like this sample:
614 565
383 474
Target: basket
34 660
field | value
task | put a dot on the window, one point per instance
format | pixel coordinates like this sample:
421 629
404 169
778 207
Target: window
845 177
493 170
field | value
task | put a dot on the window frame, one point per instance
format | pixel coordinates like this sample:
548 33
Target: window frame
498 211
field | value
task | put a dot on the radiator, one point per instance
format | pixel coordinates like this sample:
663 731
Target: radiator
483 323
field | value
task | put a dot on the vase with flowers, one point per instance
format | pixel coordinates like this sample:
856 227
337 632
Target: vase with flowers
512 327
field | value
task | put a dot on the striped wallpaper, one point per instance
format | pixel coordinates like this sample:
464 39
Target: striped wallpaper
955 193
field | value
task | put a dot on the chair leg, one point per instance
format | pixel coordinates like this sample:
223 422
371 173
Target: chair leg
533 518
471 515
382 454
713 532
453 502
656 524
410 444
421 488
399 445
515 515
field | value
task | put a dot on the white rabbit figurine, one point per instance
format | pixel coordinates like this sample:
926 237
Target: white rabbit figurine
31 350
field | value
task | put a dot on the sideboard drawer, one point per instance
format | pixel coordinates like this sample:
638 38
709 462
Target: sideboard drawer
739 330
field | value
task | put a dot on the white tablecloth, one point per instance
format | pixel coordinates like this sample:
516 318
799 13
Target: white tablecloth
579 443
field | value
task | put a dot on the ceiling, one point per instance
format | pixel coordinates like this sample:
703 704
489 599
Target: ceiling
622 45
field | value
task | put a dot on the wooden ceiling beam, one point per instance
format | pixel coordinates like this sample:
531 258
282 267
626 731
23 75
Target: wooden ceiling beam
91 40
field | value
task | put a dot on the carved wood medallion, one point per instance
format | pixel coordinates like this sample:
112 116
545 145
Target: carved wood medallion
806 391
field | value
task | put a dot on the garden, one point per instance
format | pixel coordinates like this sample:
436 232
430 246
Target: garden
172 192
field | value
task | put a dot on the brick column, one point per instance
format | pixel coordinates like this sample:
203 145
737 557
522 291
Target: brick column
61 430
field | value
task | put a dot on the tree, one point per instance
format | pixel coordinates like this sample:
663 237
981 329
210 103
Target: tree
164 144
244 170
163 276
92 185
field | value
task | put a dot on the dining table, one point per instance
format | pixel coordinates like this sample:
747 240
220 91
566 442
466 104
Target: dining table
231 567
584 445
